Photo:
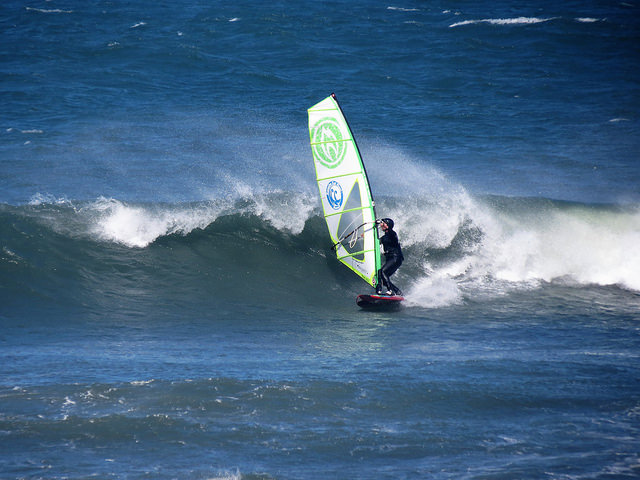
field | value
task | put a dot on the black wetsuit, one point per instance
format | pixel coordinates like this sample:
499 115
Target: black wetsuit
393 259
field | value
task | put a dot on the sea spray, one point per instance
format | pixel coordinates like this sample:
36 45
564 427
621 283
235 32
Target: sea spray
506 244
138 226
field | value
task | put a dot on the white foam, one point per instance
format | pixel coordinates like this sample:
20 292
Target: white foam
403 9
578 245
141 382
434 292
40 199
504 21
227 476
588 247
285 212
137 226
43 10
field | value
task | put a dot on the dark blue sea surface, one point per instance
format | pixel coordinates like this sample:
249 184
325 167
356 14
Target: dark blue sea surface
170 307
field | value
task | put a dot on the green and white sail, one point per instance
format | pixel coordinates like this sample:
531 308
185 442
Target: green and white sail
347 202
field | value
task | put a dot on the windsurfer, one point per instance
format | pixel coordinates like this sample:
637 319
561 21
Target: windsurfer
393 258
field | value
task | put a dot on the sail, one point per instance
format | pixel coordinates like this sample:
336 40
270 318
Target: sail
347 202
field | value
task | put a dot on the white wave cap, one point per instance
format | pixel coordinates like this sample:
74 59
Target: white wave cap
44 10
285 212
136 226
578 245
140 225
504 21
508 250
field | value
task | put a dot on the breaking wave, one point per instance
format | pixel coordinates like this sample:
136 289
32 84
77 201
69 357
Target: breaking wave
274 246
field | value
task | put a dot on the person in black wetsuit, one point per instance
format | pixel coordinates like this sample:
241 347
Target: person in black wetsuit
393 258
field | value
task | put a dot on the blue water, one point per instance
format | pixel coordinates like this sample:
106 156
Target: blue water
169 302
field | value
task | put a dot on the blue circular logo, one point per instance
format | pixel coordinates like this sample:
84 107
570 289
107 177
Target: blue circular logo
334 195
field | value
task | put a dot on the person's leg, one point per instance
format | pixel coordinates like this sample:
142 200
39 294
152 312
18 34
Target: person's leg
382 282
383 278
389 268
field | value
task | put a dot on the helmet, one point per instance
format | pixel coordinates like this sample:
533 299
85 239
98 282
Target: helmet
389 222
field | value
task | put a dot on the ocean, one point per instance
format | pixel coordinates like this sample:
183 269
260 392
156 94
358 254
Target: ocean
170 306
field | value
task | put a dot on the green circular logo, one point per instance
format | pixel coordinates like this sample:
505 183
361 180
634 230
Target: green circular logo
328 146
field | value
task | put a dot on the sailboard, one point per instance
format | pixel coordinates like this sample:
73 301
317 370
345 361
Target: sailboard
379 302
347 203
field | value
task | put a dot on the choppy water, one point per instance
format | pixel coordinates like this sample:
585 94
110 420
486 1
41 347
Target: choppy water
169 304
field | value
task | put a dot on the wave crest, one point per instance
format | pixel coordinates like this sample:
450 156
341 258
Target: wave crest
500 244
274 246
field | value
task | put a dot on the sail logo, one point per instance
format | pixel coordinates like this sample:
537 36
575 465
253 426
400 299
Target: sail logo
328 145
335 195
